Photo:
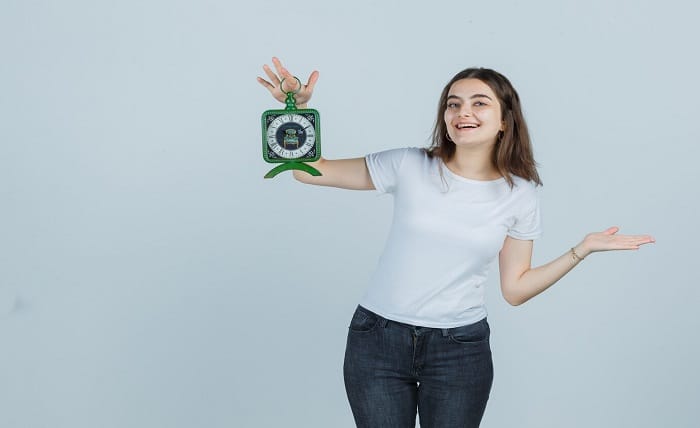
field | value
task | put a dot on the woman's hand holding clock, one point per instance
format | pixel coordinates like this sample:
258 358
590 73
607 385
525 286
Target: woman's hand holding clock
290 84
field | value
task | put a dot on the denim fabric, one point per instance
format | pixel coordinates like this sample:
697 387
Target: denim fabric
392 369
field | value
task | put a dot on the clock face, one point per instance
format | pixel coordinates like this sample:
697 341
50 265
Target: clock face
291 136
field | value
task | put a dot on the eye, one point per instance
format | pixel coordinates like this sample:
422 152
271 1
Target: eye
479 103
452 105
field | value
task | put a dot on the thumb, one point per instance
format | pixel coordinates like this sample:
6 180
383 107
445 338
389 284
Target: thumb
611 230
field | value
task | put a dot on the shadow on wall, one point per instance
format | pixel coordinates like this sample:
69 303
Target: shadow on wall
10 303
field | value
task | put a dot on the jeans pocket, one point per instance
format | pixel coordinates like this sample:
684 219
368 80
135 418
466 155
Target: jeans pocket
478 332
363 321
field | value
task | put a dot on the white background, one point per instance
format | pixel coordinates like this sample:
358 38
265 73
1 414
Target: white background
149 276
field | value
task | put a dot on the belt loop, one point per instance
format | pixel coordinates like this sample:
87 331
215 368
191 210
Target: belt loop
445 332
383 322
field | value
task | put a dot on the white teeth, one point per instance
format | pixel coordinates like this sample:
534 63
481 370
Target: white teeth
466 125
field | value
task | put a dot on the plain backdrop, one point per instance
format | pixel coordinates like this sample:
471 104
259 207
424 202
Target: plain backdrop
150 277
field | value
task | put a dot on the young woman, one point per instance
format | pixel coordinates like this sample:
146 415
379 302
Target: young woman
419 339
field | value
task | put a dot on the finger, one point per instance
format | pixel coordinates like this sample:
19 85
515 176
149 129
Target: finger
643 238
623 241
633 243
273 77
313 78
627 247
637 238
290 83
288 80
269 86
279 67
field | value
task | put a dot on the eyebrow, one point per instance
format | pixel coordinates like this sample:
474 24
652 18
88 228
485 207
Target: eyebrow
471 98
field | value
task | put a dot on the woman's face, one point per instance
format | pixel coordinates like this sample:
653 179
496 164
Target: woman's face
472 114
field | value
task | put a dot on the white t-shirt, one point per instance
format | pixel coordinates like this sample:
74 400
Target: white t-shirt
446 232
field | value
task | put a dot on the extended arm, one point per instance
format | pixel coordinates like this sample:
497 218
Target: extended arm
520 282
343 173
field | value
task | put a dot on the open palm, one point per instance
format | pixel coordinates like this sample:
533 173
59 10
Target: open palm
274 85
608 240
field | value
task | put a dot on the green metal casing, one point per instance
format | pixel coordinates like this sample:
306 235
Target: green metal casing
292 163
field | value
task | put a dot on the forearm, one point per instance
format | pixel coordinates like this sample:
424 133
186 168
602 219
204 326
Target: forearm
520 282
535 280
349 174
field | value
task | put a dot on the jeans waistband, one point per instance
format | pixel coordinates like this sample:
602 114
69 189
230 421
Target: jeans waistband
384 322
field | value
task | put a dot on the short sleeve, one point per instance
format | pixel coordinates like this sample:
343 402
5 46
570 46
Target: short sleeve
384 168
528 224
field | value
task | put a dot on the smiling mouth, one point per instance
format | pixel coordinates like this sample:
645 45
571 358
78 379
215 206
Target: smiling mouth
466 126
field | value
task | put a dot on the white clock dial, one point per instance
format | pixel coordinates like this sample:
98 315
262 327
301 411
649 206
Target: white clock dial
291 136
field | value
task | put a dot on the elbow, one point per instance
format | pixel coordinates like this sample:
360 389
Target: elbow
514 299
515 289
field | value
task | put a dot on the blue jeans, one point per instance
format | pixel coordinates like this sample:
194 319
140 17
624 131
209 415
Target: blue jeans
392 369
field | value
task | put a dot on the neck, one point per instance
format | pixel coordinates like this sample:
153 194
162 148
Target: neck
473 163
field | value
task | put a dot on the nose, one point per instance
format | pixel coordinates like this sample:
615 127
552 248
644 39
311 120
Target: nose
465 111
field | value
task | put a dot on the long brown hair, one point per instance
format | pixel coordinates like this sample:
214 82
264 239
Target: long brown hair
512 154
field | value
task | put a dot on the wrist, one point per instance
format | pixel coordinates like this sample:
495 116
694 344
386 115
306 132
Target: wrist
581 250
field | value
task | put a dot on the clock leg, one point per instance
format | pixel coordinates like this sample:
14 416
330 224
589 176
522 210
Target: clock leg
293 165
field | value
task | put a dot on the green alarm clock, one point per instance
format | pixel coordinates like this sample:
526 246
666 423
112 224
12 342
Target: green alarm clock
291 137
